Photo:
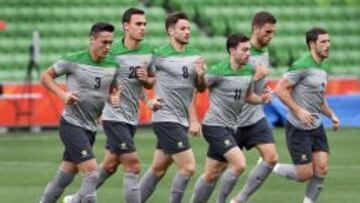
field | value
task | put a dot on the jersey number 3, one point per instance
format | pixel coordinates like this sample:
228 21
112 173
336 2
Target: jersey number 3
97 82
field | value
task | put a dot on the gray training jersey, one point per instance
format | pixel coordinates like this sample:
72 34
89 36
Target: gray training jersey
129 60
91 81
227 89
251 113
175 82
309 80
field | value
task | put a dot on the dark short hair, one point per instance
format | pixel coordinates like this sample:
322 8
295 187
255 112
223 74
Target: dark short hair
313 34
101 27
173 18
129 12
263 17
233 40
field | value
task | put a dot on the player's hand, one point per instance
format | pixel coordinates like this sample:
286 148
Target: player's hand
305 117
156 103
266 97
195 129
260 72
115 93
335 122
70 98
142 74
200 67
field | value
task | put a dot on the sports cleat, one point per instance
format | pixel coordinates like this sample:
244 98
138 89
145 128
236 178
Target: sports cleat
67 199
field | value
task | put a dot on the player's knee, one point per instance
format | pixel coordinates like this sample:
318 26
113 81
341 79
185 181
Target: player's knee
158 171
132 167
271 159
211 176
305 175
110 167
238 168
322 170
188 169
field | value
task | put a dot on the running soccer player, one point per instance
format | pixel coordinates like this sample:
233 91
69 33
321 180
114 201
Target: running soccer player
229 83
179 69
119 124
90 78
254 130
302 90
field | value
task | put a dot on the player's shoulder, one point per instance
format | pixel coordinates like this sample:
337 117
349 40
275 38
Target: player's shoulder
307 62
75 56
301 64
83 57
223 68
258 52
118 48
167 50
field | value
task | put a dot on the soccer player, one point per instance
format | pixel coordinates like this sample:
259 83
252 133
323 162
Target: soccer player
179 69
119 124
302 90
229 85
90 78
254 130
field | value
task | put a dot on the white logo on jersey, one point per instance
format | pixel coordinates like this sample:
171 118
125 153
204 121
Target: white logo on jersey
180 144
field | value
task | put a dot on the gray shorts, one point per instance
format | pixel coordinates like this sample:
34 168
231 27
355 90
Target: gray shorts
302 143
258 133
78 142
172 137
220 139
120 137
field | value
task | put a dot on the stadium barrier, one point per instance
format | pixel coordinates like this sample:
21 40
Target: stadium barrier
21 108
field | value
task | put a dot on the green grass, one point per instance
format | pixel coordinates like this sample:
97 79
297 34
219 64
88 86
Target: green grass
29 161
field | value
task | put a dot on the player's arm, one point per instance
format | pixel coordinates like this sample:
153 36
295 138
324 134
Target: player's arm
252 98
194 128
327 111
283 90
146 78
48 80
200 81
154 104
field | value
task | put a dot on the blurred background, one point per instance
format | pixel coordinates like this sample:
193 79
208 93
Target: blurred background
34 33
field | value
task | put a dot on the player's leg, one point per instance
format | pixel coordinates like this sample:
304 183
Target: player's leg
153 175
229 178
107 167
320 158
299 143
260 172
206 183
260 136
61 180
315 184
131 164
67 169
185 162
79 142
87 191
